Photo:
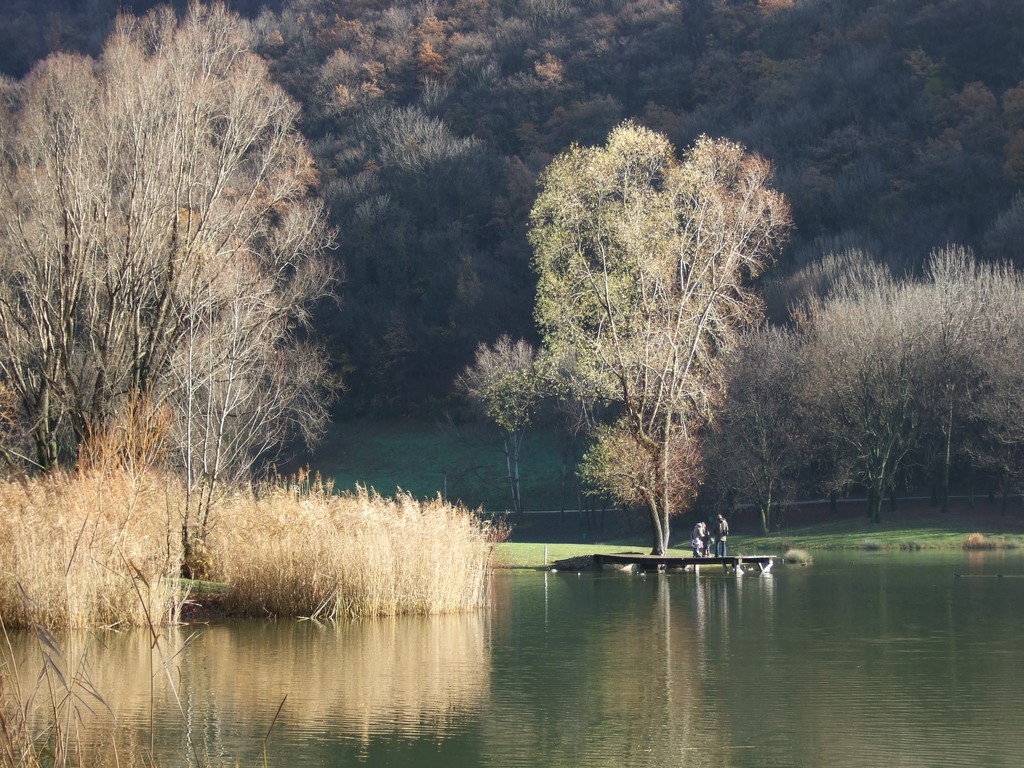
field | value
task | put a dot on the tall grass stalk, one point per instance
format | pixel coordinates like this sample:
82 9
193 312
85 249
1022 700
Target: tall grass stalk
43 724
300 550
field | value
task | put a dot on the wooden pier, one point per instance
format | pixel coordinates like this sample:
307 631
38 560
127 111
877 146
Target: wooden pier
738 564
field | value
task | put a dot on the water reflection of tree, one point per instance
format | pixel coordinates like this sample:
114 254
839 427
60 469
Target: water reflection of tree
623 681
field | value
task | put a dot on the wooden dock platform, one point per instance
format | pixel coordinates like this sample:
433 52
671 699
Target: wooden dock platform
763 563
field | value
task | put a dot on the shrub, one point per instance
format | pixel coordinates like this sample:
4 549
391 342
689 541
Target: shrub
978 541
798 556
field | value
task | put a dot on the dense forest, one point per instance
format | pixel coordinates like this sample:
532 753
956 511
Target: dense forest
895 127
892 356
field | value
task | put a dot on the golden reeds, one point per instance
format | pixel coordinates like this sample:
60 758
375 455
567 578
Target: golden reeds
978 541
797 556
303 551
102 548
87 549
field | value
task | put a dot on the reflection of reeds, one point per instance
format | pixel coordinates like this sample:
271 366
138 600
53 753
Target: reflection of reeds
396 675
312 553
399 675
87 549
16 747
42 718
55 709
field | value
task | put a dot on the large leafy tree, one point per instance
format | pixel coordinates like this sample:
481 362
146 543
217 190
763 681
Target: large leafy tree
642 260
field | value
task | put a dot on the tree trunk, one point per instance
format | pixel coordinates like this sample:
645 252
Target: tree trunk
564 486
658 530
664 509
766 512
947 457
44 434
512 469
46 449
876 494
186 553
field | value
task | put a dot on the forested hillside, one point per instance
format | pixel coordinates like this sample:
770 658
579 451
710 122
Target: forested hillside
895 127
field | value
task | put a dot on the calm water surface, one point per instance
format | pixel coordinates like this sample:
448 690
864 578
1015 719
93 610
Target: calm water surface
858 660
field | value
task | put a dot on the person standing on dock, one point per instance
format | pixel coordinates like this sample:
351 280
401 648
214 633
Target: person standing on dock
699 539
721 534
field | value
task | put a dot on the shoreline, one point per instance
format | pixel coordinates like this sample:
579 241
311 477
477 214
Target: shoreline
205 608
910 529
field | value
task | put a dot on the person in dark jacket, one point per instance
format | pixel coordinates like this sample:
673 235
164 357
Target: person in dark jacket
721 533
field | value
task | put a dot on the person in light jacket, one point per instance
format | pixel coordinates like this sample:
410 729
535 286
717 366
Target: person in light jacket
698 539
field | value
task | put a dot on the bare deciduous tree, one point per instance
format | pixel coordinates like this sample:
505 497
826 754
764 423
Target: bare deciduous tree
754 450
864 382
995 441
505 382
949 306
158 236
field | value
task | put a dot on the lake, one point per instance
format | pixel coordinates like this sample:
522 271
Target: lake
861 659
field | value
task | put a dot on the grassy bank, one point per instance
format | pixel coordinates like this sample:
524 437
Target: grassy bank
427 458
935 531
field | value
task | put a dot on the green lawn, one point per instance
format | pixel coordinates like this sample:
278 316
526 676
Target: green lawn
533 555
935 531
427 458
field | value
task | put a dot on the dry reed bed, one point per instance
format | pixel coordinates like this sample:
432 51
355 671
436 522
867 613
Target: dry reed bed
311 553
102 549
82 550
